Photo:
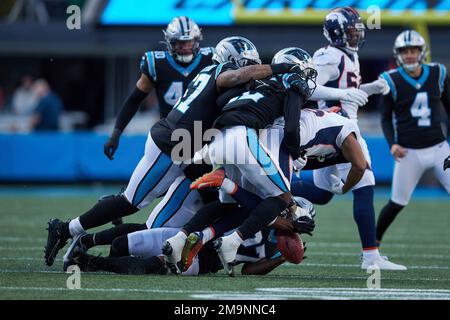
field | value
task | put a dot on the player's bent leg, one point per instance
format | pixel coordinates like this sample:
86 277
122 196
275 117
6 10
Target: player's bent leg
307 190
442 151
151 177
407 172
364 215
386 217
177 207
148 242
120 265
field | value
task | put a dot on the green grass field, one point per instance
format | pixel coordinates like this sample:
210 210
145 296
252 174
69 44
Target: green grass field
420 239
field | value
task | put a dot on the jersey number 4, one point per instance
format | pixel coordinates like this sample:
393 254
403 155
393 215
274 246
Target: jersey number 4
420 109
174 93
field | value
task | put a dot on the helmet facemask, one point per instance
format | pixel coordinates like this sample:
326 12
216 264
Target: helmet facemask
303 59
414 65
181 52
182 38
355 37
410 39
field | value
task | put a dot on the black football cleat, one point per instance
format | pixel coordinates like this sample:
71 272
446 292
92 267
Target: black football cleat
83 260
55 240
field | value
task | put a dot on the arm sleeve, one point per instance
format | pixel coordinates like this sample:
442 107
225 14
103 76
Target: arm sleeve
129 109
386 107
292 109
326 93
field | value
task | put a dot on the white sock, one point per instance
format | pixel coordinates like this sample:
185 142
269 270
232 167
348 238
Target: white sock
235 239
208 234
370 254
181 235
75 227
228 186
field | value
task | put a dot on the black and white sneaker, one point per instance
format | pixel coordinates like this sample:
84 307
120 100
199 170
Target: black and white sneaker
56 240
76 243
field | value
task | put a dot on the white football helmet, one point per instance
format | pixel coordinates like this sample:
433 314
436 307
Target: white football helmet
302 58
410 38
237 50
182 29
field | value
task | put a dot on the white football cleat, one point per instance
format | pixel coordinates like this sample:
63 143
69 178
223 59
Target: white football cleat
380 262
227 250
172 249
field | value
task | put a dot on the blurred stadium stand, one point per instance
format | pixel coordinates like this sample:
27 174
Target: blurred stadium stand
93 69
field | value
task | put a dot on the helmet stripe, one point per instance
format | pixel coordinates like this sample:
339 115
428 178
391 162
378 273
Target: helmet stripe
180 22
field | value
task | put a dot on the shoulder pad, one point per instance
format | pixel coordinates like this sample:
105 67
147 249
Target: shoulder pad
159 54
147 65
325 56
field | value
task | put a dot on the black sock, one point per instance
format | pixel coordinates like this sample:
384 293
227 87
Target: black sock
65 232
387 215
106 237
261 216
107 210
207 215
129 265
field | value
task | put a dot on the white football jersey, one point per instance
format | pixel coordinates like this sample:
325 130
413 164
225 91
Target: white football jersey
339 69
322 133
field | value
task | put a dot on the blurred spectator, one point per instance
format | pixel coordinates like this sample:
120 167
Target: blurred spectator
47 112
24 100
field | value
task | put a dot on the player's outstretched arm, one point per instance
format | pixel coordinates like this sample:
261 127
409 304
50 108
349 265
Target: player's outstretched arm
262 267
129 109
232 78
351 95
353 153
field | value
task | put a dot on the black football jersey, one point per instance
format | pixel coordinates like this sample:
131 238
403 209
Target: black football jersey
197 106
256 108
170 77
416 103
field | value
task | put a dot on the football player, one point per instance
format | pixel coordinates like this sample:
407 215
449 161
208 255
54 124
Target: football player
236 62
237 149
338 66
417 142
259 254
167 72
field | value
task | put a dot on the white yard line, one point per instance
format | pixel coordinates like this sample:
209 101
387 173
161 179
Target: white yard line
343 265
353 245
270 293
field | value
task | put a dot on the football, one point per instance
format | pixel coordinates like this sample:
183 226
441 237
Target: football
290 245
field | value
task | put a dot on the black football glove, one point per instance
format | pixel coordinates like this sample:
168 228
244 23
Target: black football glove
304 224
299 84
112 144
447 163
